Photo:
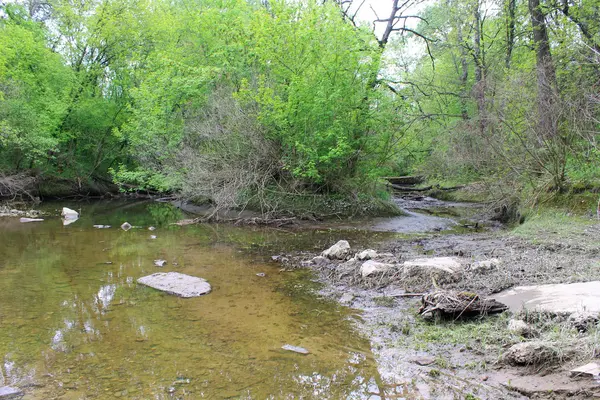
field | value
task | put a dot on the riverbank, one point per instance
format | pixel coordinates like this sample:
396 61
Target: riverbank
469 357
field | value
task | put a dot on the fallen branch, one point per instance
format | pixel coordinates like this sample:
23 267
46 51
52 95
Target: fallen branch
457 304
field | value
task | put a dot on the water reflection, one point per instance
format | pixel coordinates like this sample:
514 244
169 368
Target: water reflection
72 323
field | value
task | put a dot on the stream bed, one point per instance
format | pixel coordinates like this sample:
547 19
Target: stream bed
74 324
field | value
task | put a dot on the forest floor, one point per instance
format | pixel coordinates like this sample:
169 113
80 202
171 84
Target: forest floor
465 358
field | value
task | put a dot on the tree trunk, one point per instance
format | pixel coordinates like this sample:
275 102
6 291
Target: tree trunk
546 75
479 88
510 30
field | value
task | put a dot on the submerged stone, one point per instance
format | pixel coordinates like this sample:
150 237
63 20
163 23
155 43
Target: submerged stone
160 263
555 299
295 349
178 284
10 393
24 220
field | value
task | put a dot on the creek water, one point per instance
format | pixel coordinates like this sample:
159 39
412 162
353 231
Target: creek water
74 324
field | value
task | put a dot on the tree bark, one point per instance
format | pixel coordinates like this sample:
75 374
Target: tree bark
546 75
510 30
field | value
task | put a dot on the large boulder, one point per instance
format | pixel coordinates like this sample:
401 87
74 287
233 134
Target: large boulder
371 267
443 269
175 283
338 251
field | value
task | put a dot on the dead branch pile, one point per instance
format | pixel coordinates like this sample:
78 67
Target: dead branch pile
18 185
455 304
274 222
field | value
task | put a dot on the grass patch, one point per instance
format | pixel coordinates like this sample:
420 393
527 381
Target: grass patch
552 225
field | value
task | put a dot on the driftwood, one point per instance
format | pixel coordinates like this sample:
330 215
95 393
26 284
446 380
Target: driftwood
409 188
275 222
445 303
404 188
404 180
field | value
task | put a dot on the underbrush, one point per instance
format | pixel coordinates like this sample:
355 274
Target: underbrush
274 203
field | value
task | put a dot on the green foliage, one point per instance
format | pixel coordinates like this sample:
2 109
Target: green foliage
34 86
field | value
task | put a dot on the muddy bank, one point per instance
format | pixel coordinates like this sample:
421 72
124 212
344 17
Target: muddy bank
466 358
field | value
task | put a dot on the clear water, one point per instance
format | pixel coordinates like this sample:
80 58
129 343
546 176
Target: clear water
75 325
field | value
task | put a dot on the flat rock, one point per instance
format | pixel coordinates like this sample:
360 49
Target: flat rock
591 370
295 349
374 267
338 251
9 393
556 299
25 220
160 263
101 226
175 283
424 360
442 268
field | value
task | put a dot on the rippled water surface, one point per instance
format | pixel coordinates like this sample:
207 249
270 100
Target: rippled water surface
75 325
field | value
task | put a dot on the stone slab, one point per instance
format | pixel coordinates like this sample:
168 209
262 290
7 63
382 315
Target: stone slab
295 349
557 299
588 370
178 284
9 393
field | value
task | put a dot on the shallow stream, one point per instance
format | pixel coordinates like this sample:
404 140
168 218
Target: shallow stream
75 325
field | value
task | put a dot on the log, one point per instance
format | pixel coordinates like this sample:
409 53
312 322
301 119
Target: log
447 303
405 180
409 188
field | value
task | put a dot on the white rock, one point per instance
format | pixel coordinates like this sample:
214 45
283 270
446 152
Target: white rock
374 267
519 327
320 261
126 226
67 213
442 268
591 370
338 251
175 283
68 221
10 393
160 263
368 254
24 220
485 265
295 349
152 236
346 298
101 226
151 228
